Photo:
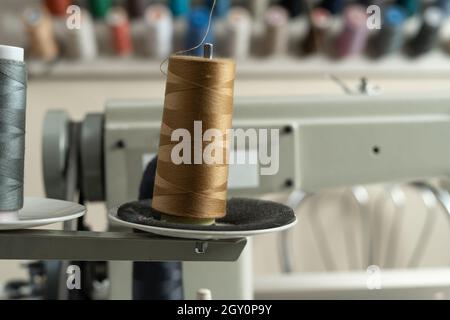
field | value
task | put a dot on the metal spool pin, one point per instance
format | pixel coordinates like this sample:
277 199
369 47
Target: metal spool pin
208 50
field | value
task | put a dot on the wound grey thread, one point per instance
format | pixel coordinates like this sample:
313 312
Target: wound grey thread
13 88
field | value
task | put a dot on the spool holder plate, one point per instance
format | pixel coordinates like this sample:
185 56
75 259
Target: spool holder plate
245 218
17 243
37 212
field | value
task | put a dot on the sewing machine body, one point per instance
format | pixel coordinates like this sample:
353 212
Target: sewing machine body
324 142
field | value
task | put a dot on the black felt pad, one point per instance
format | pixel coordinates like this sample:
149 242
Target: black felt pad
242 215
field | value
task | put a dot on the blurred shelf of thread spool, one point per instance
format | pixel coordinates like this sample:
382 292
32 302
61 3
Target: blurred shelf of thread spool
435 64
270 41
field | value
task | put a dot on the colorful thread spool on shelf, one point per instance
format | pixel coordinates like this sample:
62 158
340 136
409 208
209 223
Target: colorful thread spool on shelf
81 42
411 7
258 8
352 40
119 26
428 35
100 8
180 8
41 34
198 21
320 24
239 33
277 36
295 7
444 5
58 7
334 6
221 9
136 8
390 37
159 31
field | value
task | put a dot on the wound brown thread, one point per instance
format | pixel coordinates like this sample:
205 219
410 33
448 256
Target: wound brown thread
197 89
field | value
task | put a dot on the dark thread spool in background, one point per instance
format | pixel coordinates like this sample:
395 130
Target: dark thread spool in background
320 25
295 7
334 6
428 35
136 8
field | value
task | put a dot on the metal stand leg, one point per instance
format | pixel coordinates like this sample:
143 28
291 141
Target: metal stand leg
226 280
294 201
398 198
320 238
430 201
121 275
361 195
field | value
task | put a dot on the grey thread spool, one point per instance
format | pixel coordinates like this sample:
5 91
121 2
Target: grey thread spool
13 87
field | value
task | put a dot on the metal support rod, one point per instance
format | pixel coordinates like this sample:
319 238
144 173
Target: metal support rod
431 202
285 242
112 246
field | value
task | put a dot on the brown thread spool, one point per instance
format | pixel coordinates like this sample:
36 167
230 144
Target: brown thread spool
197 89
41 34
320 25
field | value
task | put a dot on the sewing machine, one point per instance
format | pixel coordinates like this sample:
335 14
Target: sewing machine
324 142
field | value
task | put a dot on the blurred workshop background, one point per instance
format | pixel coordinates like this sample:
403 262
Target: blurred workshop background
283 48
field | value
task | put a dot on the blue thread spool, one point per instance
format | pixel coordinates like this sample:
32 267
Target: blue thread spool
221 9
333 6
391 37
445 6
394 17
180 8
412 7
198 21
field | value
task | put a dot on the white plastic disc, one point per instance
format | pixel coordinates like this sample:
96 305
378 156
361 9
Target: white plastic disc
39 212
